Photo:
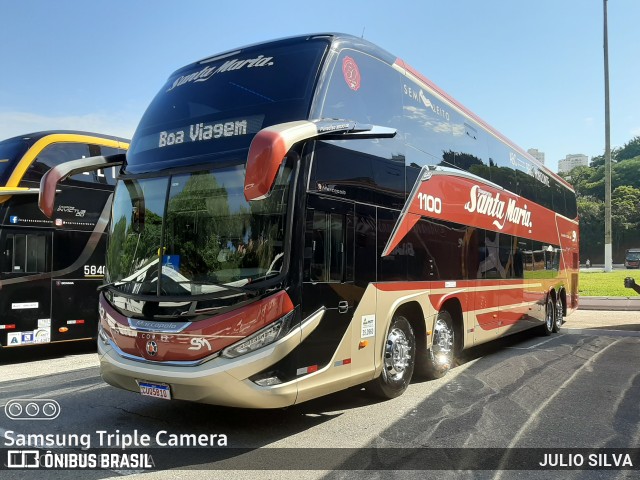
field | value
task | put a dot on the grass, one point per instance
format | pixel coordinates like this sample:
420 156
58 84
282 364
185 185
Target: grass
600 284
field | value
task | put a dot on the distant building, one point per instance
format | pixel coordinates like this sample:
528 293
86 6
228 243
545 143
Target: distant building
536 154
572 161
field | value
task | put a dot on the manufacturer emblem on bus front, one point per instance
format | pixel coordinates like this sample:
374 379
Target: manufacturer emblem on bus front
152 348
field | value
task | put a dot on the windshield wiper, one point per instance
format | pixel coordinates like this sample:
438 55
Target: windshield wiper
110 285
114 285
234 288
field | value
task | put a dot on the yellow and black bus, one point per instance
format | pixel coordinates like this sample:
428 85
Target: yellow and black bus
50 267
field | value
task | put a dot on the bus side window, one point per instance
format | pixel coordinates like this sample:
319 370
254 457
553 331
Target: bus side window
54 155
25 254
7 255
368 170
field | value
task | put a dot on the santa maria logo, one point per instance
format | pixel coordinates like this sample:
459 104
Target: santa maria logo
209 71
351 73
484 202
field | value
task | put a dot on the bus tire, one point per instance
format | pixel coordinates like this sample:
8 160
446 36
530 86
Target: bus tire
559 315
549 317
441 356
398 360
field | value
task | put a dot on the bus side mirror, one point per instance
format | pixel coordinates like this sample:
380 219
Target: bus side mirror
270 146
267 152
51 179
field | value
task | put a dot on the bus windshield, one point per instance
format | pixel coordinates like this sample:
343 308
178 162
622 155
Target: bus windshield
11 151
219 104
207 236
633 256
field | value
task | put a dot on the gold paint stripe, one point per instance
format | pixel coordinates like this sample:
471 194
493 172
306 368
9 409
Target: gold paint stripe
447 290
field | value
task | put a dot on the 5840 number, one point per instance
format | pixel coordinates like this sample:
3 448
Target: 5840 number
93 270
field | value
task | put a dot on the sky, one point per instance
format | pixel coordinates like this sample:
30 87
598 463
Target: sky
533 69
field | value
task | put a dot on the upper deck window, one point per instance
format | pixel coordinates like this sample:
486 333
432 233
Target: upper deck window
218 105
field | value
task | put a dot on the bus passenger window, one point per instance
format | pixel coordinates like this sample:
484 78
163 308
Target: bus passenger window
19 254
54 155
490 262
25 254
7 255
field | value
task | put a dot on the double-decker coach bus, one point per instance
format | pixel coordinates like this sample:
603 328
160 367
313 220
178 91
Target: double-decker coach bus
50 267
304 215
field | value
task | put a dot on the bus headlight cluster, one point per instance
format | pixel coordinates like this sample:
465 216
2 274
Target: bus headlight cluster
261 338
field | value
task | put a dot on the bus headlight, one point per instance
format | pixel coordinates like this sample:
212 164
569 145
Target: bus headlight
261 338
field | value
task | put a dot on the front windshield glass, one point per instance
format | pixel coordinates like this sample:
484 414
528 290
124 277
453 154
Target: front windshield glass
11 151
633 256
206 238
219 104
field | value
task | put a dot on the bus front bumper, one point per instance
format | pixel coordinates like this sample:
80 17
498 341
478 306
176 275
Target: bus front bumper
219 381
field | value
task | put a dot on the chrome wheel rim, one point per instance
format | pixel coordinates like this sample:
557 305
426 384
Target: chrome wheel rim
559 313
442 343
549 315
397 354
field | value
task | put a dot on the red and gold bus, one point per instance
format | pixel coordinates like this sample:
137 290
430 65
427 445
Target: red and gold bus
301 216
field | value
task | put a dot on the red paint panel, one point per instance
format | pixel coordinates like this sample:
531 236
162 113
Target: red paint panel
219 331
407 222
469 202
510 318
488 321
266 153
437 299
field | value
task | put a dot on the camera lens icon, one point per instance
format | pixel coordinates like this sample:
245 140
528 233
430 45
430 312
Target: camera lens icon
32 409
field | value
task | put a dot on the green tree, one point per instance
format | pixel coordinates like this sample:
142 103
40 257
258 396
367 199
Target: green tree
625 216
591 213
580 177
588 183
630 150
626 172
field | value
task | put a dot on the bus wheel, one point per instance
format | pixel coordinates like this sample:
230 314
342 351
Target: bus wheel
441 356
398 360
549 317
559 315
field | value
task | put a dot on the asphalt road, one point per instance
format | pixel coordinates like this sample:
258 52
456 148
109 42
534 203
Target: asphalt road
524 391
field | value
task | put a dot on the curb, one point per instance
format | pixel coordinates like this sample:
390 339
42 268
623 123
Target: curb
600 332
609 303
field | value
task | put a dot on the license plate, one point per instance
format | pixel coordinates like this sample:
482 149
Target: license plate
156 390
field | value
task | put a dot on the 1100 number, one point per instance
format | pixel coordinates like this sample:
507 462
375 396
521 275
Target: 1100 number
430 203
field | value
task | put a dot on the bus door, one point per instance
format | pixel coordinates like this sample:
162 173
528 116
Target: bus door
25 306
79 270
328 279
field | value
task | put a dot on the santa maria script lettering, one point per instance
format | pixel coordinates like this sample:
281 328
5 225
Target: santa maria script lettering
484 202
